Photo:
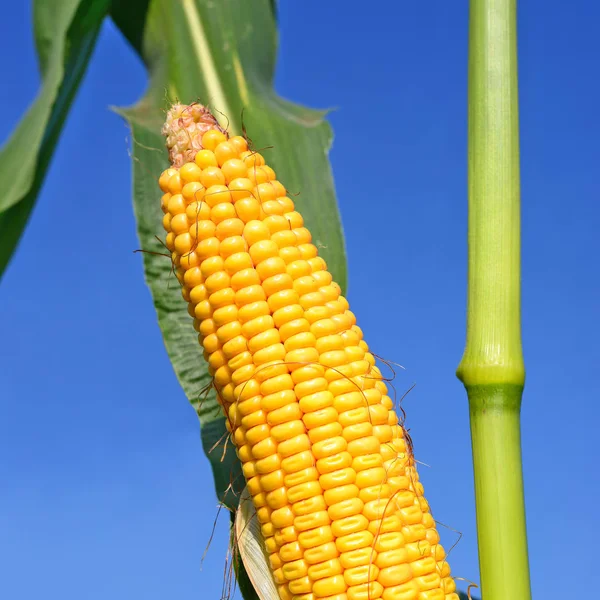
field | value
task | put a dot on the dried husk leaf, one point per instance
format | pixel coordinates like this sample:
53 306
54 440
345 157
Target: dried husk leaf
251 547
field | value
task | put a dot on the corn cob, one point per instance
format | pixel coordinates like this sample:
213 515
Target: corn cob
324 456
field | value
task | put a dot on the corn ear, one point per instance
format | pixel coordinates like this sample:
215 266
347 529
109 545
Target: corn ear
326 460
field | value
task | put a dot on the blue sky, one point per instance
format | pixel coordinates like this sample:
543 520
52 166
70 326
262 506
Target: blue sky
104 490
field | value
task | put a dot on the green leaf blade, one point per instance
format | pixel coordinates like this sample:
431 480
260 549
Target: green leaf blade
221 54
193 52
65 35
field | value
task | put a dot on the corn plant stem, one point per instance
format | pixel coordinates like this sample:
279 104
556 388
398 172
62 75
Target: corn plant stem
492 367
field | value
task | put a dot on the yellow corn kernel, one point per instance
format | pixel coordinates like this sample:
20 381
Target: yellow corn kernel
361 574
334 462
357 558
411 515
308 388
312 520
286 423
264 448
284 592
405 591
337 478
390 558
443 569
365 591
375 492
327 568
302 476
431 581
303 585
275 561
377 509
317 401
339 494
351 524
294 445
291 551
374 476
394 575
286 535
282 517
326 448
271 481
310 505
271 545
315 537
418 550
432 594
389 541
267 529
303 491
329 586
321 553
448 585
345 508
354 541
295 569
423 566
305 597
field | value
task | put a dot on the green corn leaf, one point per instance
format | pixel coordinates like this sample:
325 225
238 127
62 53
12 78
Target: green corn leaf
65 36
221 54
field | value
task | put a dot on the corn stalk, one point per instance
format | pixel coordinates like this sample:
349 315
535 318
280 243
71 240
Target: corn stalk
492 367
